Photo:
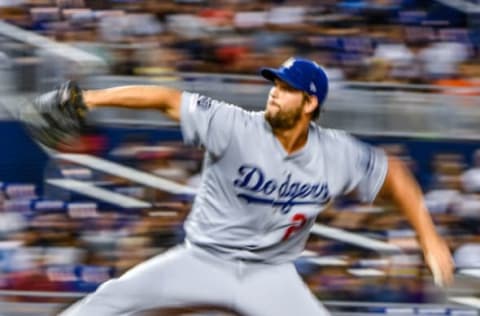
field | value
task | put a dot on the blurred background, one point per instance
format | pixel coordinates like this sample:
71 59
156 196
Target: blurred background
405 76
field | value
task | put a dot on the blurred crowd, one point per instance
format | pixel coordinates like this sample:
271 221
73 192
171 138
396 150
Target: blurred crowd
50 240
56 240
408 41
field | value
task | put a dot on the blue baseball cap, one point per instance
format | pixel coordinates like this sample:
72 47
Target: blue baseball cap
302 74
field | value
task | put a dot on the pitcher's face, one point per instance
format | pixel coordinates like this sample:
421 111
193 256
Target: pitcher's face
284 105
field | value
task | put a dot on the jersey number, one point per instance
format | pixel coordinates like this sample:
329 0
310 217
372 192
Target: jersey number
298 221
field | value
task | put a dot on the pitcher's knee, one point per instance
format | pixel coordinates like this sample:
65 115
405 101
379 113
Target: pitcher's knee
113 297
115 290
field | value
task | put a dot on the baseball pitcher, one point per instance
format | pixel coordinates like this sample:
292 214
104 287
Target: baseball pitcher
266 177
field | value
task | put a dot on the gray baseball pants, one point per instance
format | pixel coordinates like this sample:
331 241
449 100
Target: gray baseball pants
190 276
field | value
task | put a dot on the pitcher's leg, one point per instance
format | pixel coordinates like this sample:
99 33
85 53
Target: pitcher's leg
175 278
277 290
124 295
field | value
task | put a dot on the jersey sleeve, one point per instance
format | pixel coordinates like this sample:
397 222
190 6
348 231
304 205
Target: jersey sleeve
364 167
207 122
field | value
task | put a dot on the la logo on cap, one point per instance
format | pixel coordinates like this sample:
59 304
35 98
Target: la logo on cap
289 62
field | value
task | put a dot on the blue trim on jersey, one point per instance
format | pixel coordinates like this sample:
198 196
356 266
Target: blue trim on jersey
286 205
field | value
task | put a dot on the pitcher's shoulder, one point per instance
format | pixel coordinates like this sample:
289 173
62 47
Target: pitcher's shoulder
331 134
252 119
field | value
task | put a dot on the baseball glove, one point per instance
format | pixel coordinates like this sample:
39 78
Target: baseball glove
57 118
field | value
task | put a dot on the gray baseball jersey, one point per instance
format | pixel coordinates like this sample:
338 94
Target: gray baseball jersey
257 202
